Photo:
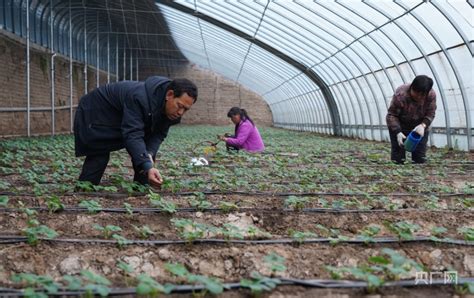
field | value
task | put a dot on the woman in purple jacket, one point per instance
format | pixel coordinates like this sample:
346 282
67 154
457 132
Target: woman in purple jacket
246 135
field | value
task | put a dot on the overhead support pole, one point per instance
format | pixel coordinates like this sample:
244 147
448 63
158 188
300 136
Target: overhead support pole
28 91
313 76
124 62
131 65
136 68
116 59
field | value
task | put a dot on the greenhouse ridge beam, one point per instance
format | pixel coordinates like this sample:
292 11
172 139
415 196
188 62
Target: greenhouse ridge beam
330 101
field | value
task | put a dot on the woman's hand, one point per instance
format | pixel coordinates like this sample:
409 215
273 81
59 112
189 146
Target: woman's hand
222 138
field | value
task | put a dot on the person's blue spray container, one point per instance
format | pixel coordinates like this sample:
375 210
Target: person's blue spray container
412 141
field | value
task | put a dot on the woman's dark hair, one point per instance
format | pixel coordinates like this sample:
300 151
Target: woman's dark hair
238 111
180 86
422 84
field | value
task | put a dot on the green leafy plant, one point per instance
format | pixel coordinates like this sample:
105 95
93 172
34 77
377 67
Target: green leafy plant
403 229
91 205
33 281
147 286
144 231
121 241
73 283
108 230
259 283
34 233
255 233
4 201
164 205
275 262
128 208
332 234
95 283
437 232
467 232
126 269
54 204
368 233
190 230
211 284
300 237
295 202
86 186
228 206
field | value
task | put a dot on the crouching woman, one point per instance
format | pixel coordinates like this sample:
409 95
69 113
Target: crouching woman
246 136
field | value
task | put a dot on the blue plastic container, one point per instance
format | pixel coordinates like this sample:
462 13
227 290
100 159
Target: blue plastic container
412 141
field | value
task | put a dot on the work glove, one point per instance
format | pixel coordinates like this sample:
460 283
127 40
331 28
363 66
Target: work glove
400 138
420 129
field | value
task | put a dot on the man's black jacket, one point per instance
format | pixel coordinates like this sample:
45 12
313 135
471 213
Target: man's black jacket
124 114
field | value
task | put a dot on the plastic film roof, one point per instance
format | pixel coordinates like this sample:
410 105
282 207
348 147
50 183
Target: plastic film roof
333 66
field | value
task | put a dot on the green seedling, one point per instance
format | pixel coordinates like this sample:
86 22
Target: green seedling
54 204
228 207
144 231
147 286
300 237
259 283
295 202
121 241
467 232
190 230
126 269
275 262
4 201
212 285
91 205
73 283
403 229
168 207
34 281
230 231
255 233
367 234
86 186
108 230
437 233
200 205
95 284
35 232
128 208
332 234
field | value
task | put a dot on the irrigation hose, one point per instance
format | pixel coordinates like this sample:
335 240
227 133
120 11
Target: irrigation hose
239 209
9 239
311 283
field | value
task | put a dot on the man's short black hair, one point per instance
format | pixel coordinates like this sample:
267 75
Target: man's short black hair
180 86
422 84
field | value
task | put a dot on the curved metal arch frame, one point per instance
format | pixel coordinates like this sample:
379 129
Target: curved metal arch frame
313 76
456 74
432 68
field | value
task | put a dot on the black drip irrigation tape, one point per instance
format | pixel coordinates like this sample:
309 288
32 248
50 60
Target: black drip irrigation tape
246 193
310 283
9 239
240 209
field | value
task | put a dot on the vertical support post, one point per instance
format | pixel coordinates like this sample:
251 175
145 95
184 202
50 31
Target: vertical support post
85 53
136 57
131 65
97 67
70 70
28 93
124 62
108 58
53 112
117 70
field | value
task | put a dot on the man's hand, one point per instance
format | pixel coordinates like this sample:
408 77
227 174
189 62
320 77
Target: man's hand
154 178
222 138
420 129
400 138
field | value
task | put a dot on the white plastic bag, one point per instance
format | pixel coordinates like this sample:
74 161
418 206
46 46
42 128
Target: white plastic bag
201 161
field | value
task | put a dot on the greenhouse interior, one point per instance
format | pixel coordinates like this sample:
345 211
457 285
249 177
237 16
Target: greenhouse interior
139 138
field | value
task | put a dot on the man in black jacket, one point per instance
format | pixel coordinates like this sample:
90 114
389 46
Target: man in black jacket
132 115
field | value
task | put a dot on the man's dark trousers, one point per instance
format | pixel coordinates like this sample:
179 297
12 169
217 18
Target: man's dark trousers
94 168
398 152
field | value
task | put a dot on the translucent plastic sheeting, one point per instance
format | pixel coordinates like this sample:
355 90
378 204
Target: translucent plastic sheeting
362 50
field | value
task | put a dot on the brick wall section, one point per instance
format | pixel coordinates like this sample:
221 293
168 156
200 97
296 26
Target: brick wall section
216 96
13 86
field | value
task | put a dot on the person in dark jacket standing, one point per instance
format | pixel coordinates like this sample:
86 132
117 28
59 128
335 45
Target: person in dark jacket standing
413 107
132 115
